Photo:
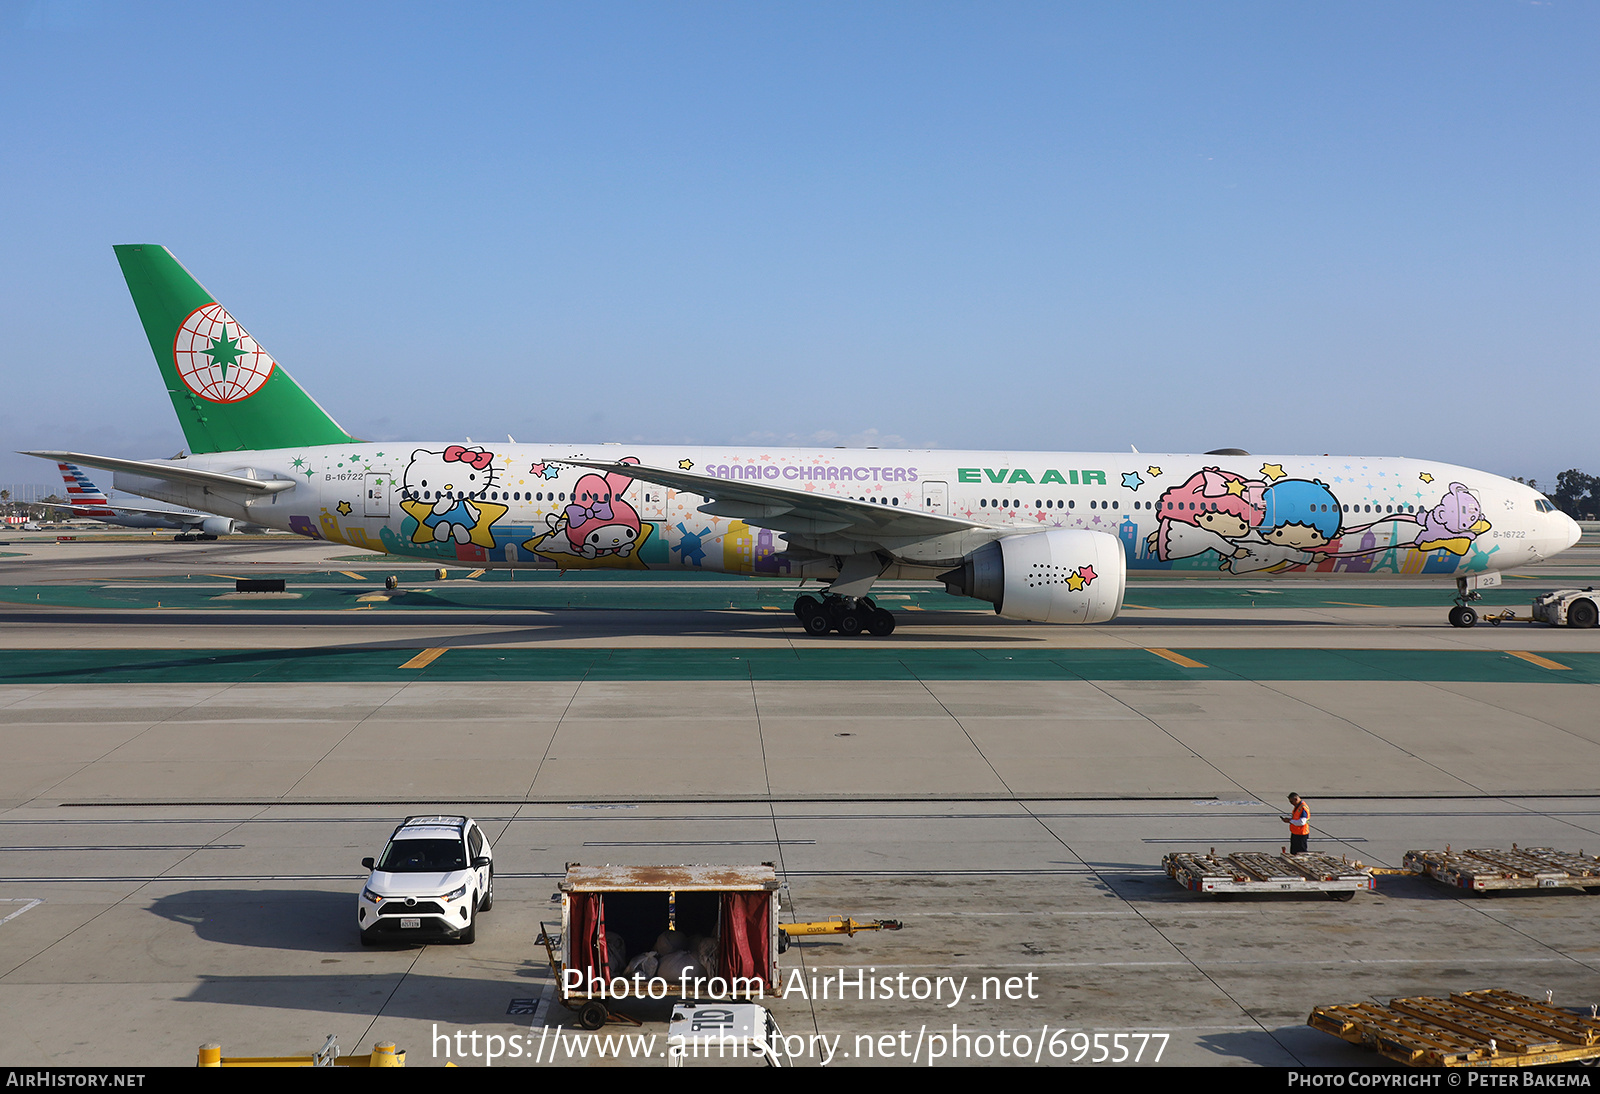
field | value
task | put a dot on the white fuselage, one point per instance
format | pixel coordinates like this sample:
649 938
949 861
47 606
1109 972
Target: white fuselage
525 505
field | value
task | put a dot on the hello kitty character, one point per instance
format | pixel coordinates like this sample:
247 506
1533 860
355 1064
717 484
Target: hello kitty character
600 521
450 487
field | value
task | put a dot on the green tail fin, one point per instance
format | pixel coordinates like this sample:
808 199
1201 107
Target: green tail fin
229 393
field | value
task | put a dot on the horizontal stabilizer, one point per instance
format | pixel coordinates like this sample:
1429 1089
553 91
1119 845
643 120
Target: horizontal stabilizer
174 472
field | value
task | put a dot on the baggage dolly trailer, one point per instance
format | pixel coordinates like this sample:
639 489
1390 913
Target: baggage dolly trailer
1486 870
1258 872
612 916
1489 1028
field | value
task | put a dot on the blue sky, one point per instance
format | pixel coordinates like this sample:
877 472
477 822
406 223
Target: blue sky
1364 228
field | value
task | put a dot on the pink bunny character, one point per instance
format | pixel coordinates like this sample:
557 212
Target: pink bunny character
599 520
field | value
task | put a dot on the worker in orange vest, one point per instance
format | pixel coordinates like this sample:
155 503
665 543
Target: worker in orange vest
1299 822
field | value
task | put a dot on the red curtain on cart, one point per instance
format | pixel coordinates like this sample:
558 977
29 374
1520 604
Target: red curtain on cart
586 921
746 943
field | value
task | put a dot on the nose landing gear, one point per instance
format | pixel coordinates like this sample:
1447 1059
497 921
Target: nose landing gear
849 615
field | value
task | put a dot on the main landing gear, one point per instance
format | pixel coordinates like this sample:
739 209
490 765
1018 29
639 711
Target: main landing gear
849 615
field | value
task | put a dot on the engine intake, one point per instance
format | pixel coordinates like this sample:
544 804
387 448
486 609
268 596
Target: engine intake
1058 576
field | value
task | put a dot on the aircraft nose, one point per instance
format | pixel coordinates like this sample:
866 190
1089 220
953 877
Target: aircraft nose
1574 531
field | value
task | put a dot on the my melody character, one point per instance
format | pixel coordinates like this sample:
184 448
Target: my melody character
1452 524
445 491
1300 517
600 521
1208 512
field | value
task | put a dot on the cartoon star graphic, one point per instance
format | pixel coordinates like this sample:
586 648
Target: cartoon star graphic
1041 515
686 465
536 469
1132 480
1236 488
1088 574
550 471
1153 472
1272 472
1075 581
1425 477
344 508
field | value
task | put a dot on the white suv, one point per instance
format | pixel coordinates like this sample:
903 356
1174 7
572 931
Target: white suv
434 877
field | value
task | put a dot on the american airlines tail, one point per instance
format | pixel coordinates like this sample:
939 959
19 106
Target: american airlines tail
229 393
87 499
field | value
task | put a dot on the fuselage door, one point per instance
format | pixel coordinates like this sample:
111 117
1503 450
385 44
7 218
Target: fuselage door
379 484
647 499
936 497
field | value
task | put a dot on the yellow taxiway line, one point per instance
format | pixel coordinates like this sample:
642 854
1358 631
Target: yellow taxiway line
1535 659
1176 658
425 658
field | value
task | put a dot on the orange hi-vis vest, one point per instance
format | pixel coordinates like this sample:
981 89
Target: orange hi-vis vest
1300 820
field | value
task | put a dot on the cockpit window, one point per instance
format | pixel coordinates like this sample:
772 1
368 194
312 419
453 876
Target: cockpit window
1544 506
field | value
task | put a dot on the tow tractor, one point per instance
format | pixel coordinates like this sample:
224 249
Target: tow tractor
1570 607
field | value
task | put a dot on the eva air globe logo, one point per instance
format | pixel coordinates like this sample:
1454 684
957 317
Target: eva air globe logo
217 359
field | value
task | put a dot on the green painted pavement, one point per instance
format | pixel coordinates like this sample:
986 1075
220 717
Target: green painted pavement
646 591
837 660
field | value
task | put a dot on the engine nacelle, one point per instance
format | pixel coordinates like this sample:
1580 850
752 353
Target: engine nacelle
1057 576
217 526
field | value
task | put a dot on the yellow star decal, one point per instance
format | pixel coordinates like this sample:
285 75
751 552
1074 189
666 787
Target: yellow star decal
344 508
1235 487
1075 581
1153 471
1272 472
1425 477
686 465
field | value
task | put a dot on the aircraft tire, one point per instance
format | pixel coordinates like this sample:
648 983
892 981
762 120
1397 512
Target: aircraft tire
817 623
1463 616
805 605
1582 614
850 624
881 622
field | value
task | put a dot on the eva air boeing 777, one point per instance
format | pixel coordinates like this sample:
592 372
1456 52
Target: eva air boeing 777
1043 536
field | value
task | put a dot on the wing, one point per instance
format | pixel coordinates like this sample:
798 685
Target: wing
799 512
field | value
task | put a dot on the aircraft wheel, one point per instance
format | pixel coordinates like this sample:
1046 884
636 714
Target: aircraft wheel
1463 616
1583 614
850 624
880 623
817 623
804 606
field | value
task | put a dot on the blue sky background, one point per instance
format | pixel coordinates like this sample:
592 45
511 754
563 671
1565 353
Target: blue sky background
1336 227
